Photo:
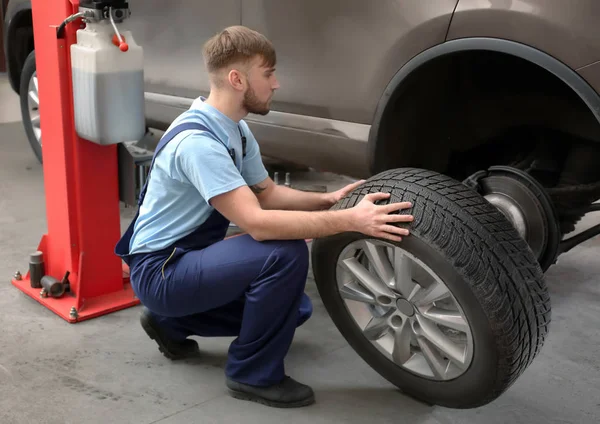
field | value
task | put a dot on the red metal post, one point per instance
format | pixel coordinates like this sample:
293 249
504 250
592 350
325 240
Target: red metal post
81 186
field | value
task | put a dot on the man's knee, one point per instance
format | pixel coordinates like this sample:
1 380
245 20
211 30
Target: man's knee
287 262
293 251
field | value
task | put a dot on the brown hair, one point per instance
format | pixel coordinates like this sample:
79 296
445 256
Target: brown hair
237 44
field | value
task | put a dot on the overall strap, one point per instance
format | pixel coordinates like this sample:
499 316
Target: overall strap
166 138
243 141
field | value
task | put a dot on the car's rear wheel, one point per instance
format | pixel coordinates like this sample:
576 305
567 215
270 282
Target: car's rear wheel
30 105
454 313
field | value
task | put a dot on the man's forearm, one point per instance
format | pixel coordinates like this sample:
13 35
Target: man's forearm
285 198
294 225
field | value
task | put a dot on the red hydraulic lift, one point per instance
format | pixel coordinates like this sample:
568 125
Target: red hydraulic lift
81 182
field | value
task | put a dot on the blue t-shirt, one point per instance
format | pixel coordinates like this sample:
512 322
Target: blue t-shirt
191 169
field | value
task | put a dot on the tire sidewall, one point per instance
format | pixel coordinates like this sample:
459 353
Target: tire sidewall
471 388
29 69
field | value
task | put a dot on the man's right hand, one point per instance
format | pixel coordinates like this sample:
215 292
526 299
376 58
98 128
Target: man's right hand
378 220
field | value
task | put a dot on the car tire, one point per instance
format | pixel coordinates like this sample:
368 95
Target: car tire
497 308
29 109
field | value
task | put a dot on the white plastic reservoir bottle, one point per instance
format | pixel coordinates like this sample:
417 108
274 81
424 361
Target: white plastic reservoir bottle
108 86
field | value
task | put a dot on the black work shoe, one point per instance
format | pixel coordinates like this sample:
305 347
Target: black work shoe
170 348
286 394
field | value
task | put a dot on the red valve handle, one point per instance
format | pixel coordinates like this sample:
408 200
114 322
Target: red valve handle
123 46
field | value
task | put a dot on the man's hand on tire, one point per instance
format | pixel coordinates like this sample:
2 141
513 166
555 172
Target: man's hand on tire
378 220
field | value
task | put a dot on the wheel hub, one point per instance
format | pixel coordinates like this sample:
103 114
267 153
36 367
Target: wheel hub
404 309
526 205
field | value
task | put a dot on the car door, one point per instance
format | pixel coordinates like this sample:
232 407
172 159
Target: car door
335 57
172 34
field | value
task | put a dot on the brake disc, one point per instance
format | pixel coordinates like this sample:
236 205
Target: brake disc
526 204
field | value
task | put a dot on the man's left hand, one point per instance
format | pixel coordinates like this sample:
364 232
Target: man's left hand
336 196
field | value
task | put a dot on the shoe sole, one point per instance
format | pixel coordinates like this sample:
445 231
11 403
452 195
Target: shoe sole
255 398
153 334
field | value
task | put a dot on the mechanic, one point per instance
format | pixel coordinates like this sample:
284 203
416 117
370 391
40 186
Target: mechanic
207 172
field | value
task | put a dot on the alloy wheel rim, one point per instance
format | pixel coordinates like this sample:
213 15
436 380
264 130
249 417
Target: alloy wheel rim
404 309
33 101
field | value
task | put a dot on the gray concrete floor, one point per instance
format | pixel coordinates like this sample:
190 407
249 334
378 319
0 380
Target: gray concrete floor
107 371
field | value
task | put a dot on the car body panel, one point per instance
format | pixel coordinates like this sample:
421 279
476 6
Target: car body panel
552 26
172 34
317 142
326 103
336 57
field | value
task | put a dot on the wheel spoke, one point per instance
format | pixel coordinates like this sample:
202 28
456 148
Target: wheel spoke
435 292
35 121
33 95
381 293
403 270
401 353
450 349
378 258
376 328
433 358
355 291
450 319
35 84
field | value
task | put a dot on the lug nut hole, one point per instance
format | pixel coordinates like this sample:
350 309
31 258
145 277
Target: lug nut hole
384 300
396 321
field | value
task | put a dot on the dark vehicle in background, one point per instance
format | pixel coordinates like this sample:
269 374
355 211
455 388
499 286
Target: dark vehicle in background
485 114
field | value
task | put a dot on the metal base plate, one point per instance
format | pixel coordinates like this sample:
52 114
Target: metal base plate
93 307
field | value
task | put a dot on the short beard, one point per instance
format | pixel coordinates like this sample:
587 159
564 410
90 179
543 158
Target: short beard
253 105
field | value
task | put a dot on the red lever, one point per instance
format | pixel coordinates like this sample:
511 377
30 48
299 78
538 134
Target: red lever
122 45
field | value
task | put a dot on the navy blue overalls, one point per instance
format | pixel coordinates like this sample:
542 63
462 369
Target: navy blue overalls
209 286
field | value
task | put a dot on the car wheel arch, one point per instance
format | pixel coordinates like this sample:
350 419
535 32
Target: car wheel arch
535 56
